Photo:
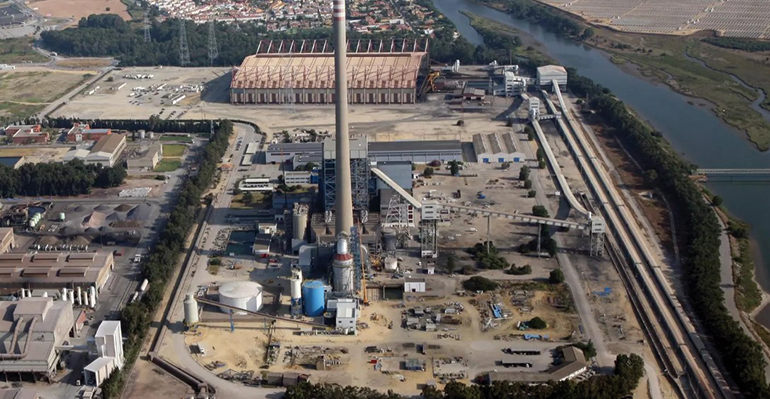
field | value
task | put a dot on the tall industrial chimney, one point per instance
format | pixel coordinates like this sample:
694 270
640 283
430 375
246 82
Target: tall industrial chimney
343 204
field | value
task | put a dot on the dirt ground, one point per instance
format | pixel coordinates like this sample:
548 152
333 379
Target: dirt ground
242 349
33 154
83 62
37 85
77 9
156 383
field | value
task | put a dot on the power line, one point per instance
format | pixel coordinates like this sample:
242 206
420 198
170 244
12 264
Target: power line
146 27
213 51
184 51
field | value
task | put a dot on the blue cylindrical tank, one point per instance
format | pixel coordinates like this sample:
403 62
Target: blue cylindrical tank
313 297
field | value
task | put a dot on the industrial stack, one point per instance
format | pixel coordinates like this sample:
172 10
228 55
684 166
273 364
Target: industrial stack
299 224
343 268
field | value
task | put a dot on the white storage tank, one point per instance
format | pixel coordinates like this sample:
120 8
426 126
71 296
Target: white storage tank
241 294
299 221
391 264
190 310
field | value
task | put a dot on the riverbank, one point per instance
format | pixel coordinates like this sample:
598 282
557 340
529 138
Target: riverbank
665 59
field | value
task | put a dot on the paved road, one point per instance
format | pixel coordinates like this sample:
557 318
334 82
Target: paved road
604 358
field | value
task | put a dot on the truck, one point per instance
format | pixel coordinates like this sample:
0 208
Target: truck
481 195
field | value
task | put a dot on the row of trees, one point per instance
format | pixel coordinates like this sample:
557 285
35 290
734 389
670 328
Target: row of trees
699 241
103 35
739 44
58 179
544 15
628 370
159 265
154 124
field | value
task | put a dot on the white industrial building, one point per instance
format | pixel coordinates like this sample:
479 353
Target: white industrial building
347 312
256 184
514 85
546 74
496 148
414 285
31 331
533 105
241 294
296 177
108 343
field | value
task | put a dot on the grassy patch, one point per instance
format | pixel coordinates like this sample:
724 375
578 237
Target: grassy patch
168 165
134 9
213 269
668 59
259 201
83 62
15 112
747 293
481 23
180 139
26 93
18 50
754 69
173 150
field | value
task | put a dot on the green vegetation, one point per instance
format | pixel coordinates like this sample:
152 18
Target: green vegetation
520 271
451 264
168 165
628 371
176 139
55 179
454 168
134 9
741 356
491 260
249 200
589 351
478 283
747 294
739 44
162 260
19 50
499 36
537 324
173 150
154 124
428 172
524 173
556 276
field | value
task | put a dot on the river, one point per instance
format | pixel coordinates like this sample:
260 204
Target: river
692 130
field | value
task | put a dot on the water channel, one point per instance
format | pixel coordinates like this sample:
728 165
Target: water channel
692 130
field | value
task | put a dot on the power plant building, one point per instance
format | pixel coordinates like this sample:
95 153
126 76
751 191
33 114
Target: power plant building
359 173
31 330
547 74
302 72
416 151
52 271
282 152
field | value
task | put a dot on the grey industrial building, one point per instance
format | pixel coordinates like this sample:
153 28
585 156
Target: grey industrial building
416 151
282 152
359 173
31 329
496 148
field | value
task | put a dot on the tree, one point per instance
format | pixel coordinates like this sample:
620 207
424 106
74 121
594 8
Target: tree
716 200
588 348
454 168
539 211
478 283
527 184
537 324
541 163
505 165
531 194
530 132
556 276
237 190
524 173
451 264
587 33
630 368
650 176
540 154
248 197
428 172
520 271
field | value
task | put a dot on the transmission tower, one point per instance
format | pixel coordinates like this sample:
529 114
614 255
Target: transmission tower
213 52
146 28
184 51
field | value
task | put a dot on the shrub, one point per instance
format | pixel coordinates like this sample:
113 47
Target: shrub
520 271
478 283
556 276
537 324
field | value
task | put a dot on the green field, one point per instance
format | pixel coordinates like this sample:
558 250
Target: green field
179 139
173 150
259 201
168 165
18 50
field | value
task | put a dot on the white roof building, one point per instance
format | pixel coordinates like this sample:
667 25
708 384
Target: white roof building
414 285
496 148
546 74
346 315
109 347
107 150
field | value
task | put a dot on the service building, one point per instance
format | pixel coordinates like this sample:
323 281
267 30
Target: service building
107 150
496 148
547 74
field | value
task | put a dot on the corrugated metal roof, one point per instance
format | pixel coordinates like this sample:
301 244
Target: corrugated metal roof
415 146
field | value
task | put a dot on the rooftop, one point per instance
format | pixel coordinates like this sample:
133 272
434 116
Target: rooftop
295 147
108 144
53 267
414 146
551 69
17 393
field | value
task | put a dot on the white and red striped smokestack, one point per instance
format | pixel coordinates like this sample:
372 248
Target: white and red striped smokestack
343 205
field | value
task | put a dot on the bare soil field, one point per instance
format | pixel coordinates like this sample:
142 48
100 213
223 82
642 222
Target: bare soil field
77 9
83 62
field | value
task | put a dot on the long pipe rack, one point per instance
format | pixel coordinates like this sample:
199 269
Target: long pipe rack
692 349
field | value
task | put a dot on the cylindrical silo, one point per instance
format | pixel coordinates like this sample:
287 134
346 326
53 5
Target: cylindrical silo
390 264
296 285
62 216
79 296
45 294
64 294
72 297
245 295
141 134
343 267
299 221
313 298
92 297
190 310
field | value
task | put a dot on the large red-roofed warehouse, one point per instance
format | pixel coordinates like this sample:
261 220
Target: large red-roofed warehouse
302 72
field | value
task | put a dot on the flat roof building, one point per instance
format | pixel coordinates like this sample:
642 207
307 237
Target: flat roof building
82 132
148 160
546 75
282 152
30 331
416 151
302 72
107 150
54 270
573 365
26 134
108 343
